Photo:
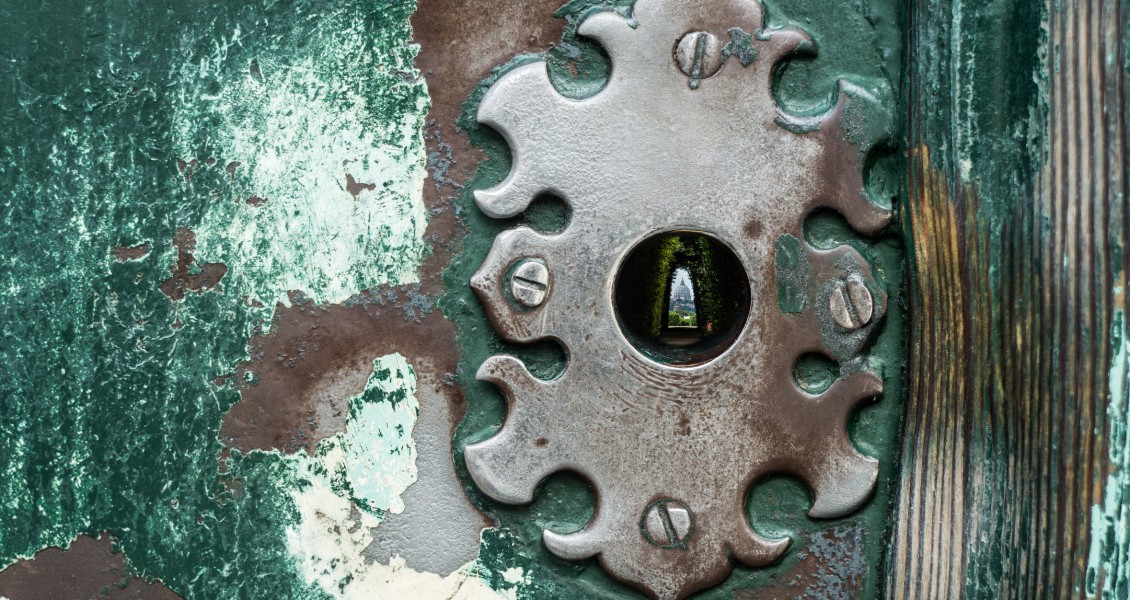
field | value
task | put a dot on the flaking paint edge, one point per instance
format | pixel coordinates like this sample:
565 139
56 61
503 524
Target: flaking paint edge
351 481
296 149
1108 558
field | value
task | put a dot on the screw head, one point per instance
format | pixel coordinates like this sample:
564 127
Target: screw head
699 55
529 284
667 523
851 304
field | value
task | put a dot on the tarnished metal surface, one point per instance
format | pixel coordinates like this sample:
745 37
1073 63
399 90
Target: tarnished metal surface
672 452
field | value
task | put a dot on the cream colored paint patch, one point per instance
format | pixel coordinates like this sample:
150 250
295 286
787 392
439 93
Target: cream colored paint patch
353 479
329 541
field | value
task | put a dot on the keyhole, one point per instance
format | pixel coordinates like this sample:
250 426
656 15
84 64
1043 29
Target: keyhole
682 297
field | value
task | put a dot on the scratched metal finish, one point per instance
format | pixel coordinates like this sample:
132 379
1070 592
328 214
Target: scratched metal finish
684 152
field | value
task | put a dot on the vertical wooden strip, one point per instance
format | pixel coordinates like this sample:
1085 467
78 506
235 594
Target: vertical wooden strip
1018 285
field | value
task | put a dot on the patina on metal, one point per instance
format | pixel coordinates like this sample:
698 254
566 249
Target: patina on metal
672 450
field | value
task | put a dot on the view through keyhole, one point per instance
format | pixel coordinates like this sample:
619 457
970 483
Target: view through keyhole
682 297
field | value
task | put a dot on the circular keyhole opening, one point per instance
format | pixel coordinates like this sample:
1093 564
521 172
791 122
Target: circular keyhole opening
681 297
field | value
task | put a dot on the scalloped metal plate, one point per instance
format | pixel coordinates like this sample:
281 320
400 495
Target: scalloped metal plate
672 451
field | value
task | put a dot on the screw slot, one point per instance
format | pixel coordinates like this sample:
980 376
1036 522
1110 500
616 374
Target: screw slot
667 524
851 304
699 55
529 283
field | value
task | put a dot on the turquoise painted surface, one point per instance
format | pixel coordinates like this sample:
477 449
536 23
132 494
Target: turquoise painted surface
242 122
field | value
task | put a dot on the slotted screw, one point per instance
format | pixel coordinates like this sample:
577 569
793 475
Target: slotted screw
699 55
851 304
529 284
667 523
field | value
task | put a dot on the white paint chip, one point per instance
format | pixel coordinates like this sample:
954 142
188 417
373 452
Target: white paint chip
513 575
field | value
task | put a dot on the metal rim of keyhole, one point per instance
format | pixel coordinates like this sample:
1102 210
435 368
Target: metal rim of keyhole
715 344
667 523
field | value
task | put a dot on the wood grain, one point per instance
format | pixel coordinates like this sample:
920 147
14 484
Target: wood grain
1018 283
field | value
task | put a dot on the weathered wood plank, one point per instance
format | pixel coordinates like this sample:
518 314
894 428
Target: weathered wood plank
1014 480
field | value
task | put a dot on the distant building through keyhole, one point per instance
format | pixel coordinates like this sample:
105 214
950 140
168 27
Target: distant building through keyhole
681 308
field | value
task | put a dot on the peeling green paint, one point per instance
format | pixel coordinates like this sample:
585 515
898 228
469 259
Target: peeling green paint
366 467
373 461
124 123
287 136
329 136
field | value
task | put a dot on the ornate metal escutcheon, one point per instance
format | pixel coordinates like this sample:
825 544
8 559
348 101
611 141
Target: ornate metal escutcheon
684 143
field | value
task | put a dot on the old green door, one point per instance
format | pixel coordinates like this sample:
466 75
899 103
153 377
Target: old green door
241 338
